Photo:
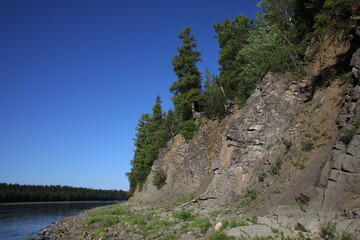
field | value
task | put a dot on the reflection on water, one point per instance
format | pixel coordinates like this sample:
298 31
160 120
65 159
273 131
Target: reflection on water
17 221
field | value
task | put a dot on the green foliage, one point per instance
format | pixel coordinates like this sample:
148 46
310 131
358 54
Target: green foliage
251 194
234 223
187 88
188 129
302 200
213 101
304 16
334 16
169 237
159 179
268 50
248 197
347 134
202 223
307 144
232 36
287 144
328 230
275 170
183 215
300 227
153 131
219 236
346 77
40 193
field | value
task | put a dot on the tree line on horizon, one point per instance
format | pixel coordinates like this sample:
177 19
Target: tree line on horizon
274 41
46 193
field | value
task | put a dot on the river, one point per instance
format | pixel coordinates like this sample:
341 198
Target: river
18 220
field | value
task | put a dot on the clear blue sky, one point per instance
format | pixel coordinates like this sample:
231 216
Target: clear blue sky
75 76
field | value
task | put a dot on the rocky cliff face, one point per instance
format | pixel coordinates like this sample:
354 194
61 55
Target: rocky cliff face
297 147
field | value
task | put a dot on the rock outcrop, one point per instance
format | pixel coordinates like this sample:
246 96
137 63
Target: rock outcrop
294 147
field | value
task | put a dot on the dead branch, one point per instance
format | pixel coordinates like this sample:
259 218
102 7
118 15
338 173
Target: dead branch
196 199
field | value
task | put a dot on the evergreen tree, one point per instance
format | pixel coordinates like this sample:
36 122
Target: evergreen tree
187 88
213 98
232 36
153 131
304 16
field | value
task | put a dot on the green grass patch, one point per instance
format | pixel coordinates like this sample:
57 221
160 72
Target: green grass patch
169 237
183 215
202 223
219 236
234 223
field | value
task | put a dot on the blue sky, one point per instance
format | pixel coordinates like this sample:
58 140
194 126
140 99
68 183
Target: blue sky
75 76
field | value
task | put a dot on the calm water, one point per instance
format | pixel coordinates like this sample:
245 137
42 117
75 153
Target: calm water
17 221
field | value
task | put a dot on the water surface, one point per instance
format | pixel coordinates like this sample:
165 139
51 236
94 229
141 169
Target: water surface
18 220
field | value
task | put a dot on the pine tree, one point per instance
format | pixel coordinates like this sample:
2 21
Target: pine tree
232 36
187 88
213 98
152 134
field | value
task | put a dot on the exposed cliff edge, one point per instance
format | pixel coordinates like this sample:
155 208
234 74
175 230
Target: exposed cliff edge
295 146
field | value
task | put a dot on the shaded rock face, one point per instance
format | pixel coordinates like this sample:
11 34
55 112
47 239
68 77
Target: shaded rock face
341 175
223 158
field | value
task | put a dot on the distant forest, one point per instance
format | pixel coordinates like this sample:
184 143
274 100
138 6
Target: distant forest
40 193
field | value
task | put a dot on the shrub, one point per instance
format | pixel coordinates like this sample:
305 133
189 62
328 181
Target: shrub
183 215
234 223
202 223
188 129
347 77
307 145
159 179
252 194
300 227
287 144
328 230
275 170
262 176
347 135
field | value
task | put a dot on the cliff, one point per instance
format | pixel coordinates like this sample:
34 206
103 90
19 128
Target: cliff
293 150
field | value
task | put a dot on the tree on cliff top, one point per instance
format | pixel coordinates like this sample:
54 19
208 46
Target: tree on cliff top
187 88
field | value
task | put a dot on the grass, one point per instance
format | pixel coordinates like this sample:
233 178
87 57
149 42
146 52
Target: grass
219 236
328 230
202 223
275 170
248 197
307 145
234 223
347 135
169 237
183 215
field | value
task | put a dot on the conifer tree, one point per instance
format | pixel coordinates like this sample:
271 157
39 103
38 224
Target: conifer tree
213 98
232 36
187 88
152 134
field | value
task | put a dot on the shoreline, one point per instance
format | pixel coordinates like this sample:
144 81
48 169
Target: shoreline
47 202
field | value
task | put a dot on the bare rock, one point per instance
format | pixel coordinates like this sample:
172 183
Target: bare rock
355 60
250 231
218 226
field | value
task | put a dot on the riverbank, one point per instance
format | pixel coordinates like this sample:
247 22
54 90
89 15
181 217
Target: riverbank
175 221
22 203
